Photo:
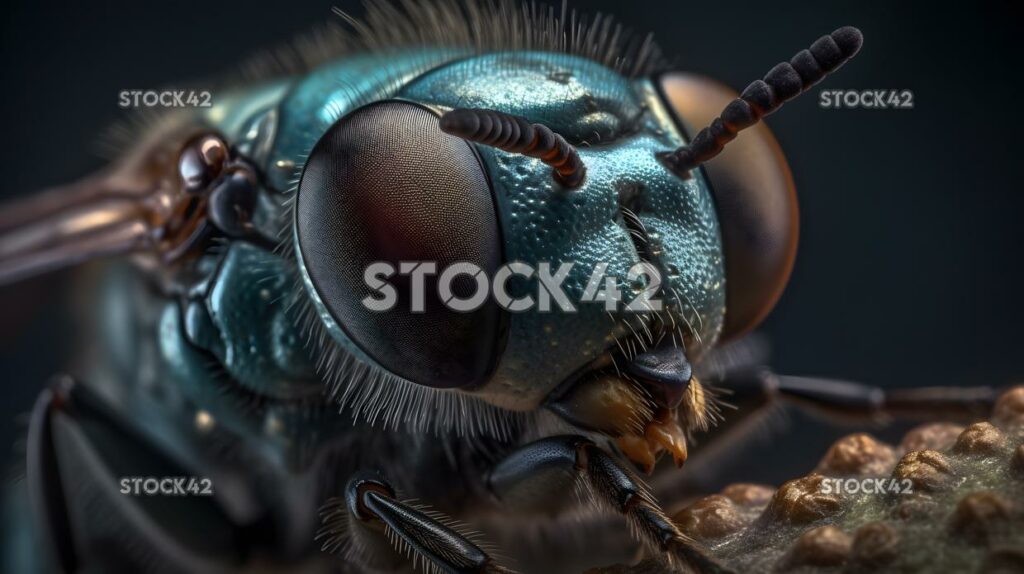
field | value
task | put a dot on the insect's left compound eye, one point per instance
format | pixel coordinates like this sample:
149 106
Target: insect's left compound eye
386 185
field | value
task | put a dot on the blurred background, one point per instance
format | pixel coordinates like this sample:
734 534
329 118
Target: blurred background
910 267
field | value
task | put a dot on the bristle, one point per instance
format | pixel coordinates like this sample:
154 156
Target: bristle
477 26
375 396
484 26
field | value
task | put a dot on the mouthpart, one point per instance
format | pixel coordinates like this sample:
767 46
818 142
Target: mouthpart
649 404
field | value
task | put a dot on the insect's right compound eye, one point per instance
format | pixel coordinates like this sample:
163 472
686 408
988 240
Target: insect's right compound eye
385 185
755 200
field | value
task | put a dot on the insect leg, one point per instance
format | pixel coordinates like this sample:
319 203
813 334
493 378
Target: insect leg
758 395
859 402
538 474
79 450
43 482
371 516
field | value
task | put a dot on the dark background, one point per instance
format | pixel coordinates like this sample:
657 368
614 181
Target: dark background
909 267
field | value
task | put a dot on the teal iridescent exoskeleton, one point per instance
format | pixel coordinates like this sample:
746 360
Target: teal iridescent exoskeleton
244 352
626 125
621 125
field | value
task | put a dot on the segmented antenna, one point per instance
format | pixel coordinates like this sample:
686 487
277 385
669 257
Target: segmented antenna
762 97
517 135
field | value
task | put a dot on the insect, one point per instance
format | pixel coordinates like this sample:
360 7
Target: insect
237 348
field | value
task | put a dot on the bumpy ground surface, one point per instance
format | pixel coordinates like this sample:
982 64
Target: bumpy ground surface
952 500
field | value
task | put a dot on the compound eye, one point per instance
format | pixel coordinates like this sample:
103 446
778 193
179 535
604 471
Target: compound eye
386 185
755 199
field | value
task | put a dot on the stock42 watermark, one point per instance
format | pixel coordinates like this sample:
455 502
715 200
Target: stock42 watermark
164 99
641 286
866 486
166 486
867 99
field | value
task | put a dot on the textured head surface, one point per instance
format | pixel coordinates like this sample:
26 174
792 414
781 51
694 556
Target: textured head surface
629 203
618 126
